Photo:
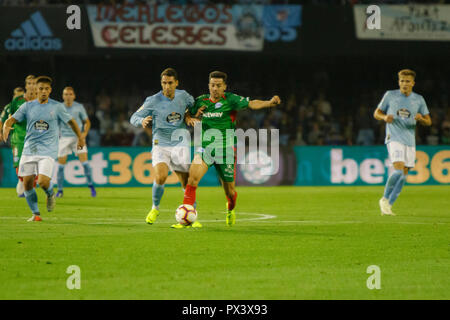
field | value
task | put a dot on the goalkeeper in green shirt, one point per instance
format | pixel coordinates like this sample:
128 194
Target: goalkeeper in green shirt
218 110
20 128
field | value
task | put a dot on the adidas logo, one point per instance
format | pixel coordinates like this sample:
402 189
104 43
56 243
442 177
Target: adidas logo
33 34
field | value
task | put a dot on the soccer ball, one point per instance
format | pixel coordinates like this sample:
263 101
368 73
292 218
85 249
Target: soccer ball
186 214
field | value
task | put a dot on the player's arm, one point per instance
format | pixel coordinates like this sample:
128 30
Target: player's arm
73 124
8 127
86 122
423 120
260 104
143 116
423 116
86 127
3 116
380 115
188 118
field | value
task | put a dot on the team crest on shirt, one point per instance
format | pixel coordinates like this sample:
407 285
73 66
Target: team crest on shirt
404 113
173 117
218 105
41 125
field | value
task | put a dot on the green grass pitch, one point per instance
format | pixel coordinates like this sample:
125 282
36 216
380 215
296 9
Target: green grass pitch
288 243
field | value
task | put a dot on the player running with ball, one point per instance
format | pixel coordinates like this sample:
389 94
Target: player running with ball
218 110
401 110
166 110
41 142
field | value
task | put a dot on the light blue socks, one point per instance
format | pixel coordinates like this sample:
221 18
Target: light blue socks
394 186
32 200
157 193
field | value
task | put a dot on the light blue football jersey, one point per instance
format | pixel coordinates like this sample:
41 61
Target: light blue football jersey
167 116
77 111
404 109
42 126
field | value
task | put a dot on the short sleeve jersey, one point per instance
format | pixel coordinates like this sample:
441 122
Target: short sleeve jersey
219 115
404 109
78 113
42 126
167 117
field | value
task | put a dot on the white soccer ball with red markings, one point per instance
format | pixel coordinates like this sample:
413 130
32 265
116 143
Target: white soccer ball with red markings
186 214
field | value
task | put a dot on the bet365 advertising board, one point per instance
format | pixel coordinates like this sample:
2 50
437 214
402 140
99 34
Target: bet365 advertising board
302 166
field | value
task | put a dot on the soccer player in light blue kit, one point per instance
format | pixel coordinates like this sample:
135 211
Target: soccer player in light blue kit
401 110
41 142
166 110
68 140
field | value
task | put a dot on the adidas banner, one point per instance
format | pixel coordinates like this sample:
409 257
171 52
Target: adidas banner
40 29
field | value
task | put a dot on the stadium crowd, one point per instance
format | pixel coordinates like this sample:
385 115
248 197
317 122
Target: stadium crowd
322 103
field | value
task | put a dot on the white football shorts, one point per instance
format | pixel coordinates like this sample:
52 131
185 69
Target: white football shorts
35 165
399 152
68 145
177 158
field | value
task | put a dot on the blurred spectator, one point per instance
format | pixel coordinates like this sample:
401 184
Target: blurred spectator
366 134
299 141
433 137
445 138
93 138
315 134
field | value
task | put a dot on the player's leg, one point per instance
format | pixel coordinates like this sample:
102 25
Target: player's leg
410 156
60 181
160 162
83 157
28 171
65 147
17 153
397 155
161 173
196 172
227 178
45 170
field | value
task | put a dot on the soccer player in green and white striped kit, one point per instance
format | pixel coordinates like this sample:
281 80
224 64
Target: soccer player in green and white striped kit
218 110
19 129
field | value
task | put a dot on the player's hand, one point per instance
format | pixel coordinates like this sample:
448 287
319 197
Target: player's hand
200 112
81 143
146 121
190 121
275 101
419 117
6 131
389 118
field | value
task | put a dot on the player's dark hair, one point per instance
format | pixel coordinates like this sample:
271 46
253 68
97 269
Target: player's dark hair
218 74
69 88
44 79
18 89
169 72
407 72
29 77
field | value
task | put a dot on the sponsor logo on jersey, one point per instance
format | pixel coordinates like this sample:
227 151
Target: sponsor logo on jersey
41 125
33 34
212 114
404 113
218 105
173 117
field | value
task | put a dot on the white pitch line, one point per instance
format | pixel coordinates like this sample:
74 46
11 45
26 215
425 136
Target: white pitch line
260 216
